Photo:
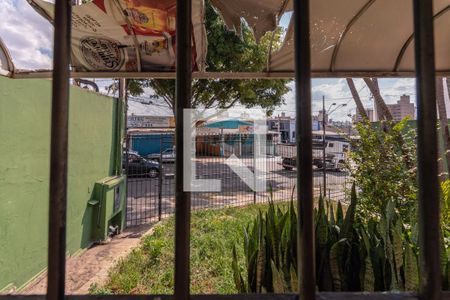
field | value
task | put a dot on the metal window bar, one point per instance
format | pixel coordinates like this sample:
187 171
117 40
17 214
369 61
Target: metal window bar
427 160
305 197
58 155
182 101
429 214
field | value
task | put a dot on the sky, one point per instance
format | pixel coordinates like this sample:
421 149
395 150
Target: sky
29 39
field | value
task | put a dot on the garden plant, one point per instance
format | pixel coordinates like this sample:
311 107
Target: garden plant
371 245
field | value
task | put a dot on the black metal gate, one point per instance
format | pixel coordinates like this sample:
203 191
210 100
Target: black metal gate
151 178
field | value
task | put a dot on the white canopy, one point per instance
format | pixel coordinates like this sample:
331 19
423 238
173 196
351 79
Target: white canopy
349 38
362 36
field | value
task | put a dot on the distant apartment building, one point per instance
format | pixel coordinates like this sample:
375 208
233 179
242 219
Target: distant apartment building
285 125
402 109
370 115
145 121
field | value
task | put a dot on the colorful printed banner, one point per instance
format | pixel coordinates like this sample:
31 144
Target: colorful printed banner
128 35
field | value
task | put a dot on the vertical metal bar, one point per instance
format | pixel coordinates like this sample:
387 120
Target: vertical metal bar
254 170
123 100
58 152
323 149
306 253
160 178
429 221
125 163
183 100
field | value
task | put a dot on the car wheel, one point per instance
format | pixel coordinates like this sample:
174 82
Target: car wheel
153 173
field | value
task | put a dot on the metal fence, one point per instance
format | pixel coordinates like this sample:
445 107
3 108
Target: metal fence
151 181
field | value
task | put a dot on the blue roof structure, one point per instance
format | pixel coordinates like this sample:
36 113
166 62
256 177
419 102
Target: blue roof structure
228 124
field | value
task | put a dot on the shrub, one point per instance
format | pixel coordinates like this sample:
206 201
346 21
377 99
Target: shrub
383 167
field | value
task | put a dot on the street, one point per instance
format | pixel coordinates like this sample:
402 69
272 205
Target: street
149 197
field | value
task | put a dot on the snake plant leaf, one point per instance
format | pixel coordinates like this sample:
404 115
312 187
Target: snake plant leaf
390 211
322 229
260 265
369 277
397 247
238 280
411 269
335 264
277 279
294 279
347 227
339 215
331 215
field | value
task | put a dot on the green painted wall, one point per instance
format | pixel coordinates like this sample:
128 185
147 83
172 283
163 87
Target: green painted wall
24 171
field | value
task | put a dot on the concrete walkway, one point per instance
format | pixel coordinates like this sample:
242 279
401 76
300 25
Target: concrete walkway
92 266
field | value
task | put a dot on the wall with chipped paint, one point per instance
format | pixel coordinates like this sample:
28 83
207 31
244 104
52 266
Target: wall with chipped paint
24 171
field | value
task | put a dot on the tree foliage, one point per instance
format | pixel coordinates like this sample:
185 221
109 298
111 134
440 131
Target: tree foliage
231 52
379 169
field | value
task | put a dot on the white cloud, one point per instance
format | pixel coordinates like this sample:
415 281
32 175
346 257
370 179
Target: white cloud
337 91
28 36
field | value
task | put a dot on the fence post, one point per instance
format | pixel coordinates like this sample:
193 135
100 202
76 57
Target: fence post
254 171
160 178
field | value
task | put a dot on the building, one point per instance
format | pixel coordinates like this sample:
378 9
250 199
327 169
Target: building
231 136
369 112
402 109
145 121
148 141
285 125
321 116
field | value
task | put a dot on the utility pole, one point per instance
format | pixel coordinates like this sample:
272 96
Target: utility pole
324 165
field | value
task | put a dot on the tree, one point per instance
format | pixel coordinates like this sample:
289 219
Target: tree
382 108
230 52
358 102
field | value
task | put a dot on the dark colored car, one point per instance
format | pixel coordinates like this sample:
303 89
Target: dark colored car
141 167
167 156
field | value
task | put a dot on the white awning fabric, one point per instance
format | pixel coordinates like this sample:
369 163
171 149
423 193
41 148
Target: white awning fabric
366 36
349 38
6 64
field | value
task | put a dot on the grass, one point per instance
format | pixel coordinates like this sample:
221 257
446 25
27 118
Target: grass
149 268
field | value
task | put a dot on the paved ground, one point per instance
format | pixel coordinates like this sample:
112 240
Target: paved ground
150 197
92 266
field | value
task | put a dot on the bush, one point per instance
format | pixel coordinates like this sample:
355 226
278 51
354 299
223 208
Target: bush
383 167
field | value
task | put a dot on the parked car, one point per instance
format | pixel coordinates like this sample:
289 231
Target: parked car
141 167
167 155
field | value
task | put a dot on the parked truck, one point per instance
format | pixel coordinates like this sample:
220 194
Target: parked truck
335 154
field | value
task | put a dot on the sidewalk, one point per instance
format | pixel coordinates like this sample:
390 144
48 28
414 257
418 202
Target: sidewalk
92 265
